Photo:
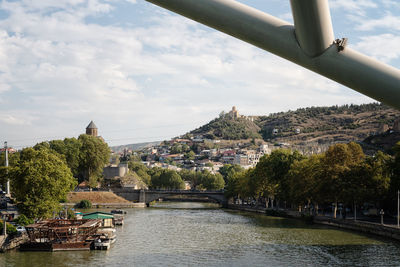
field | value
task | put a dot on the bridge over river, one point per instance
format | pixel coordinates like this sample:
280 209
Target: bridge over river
147 196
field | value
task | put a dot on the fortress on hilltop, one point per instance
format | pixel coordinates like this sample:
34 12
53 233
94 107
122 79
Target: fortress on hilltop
234 114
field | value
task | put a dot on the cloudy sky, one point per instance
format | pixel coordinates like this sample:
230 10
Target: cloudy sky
144 74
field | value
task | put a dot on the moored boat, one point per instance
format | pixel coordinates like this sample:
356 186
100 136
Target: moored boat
118 212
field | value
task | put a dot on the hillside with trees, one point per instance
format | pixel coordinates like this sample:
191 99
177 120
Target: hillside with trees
227 128
311 129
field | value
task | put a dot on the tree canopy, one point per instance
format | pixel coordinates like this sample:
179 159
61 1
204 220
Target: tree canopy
94 154
39 181
342 174
166 179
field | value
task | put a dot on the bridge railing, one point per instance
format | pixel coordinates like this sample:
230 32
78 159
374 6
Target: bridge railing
184 191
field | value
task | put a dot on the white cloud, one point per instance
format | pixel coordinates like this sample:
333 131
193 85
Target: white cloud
389 22
384 47
354 6
15 119
58 71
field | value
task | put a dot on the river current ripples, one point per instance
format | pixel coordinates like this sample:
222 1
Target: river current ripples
201 234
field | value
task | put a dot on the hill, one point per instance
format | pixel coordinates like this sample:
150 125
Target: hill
384 142
95 197
133 147
228 128
306 129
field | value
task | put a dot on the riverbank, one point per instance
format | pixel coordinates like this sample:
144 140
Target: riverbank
110 205
101 200
361 226
358 226
12 242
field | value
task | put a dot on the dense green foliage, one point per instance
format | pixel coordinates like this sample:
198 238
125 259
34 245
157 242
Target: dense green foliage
179 148
342 174
94 154
85 156
203 180
39 181
23 220
141 170
11 230
228 170
166 179
227 128
158 178
84 204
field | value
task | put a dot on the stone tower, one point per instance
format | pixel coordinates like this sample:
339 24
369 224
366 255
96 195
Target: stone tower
91 129
234 113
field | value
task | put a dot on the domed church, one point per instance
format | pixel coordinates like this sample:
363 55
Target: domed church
91 129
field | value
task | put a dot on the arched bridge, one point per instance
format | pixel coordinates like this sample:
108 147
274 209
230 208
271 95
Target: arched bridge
147 196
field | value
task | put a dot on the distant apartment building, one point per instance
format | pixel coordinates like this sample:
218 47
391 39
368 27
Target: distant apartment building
251 157
241 160
113 171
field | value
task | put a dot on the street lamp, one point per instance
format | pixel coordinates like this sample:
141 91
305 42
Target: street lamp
398 208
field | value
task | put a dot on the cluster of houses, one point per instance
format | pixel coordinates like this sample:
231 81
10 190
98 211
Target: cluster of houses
205 159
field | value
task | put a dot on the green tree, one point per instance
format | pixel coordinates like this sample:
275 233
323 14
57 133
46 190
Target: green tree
39 181
395 167
190 176
23 220
13 159
369 180
11 229
338 161
94 155
84 204
190 155
303 180
229 170
141 170
70 149
176 148
167 179
211 181
270 175
238 184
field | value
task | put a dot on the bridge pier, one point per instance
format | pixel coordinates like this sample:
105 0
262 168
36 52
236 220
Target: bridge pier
142 196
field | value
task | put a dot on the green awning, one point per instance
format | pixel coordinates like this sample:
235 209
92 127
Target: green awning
98 215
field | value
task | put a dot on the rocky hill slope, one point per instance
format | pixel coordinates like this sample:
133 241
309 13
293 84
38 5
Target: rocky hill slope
310 130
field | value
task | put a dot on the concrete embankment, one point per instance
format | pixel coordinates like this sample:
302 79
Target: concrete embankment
246 208
8 243
359 226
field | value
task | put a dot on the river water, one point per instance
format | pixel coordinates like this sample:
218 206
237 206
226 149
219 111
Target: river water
201 234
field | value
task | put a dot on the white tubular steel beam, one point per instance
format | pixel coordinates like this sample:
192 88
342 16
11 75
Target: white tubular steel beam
313 25
348 67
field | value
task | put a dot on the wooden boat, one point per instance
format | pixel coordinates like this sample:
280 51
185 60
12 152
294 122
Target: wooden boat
104 242
118 212
118 220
